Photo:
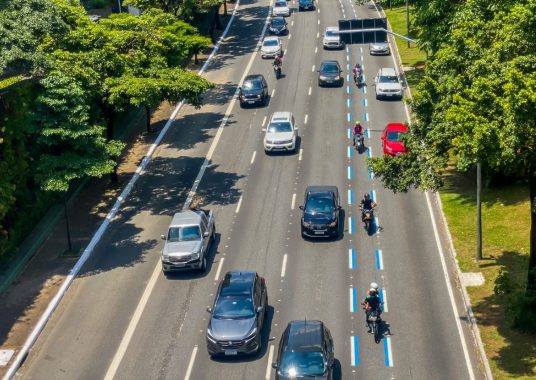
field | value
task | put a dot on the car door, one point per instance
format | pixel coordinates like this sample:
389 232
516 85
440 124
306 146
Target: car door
264 88
258 296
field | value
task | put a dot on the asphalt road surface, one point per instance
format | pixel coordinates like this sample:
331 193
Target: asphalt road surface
123 319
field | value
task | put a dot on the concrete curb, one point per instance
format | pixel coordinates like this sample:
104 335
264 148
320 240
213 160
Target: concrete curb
475 332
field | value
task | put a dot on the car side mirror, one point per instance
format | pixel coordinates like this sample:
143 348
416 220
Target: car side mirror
260 309
301 207
163 237
332 365
339 207
274 365
264 129
239 88
205 234
209 309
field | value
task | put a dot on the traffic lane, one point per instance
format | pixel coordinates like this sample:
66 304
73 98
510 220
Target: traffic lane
131 258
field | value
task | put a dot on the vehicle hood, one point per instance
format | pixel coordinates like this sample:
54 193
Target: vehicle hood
181 248
319 218
332 38
306 2
389 86
279 136
269 49
277 27
287 377
231 329
395 147
252 91
379 46
329 75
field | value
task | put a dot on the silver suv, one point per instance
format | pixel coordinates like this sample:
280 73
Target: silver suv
387 84
281 133
331 38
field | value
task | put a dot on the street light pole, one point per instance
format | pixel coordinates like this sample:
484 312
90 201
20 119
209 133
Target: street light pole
478 211
407 20
67 223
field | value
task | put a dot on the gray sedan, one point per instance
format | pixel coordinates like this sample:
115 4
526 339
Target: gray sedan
379 48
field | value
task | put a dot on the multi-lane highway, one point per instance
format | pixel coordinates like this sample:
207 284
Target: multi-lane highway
123 319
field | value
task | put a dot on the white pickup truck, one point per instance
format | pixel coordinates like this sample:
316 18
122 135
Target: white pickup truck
188 241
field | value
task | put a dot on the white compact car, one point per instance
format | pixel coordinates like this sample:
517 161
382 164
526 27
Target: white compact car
271 47
379 48
281 133
387 84
331 38
281 9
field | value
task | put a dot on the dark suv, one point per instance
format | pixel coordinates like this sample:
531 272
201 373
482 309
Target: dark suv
238 314
321 211
330 74
305 351
254 90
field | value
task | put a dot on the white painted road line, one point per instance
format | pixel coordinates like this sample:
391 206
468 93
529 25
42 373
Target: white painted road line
263 121
293 202
383 293
354 351
388 351
237 210
352 300
316 49
350 225
268 374
289 35
116 361
284 265
191 364
273 92
313 69
350 197
317 34
305 119
220 265
292 23
300 155
310 89
253 157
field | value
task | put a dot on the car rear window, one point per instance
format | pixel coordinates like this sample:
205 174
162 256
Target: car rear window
394 136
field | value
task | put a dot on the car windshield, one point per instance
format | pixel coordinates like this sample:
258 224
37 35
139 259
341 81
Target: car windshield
270 43
188 233
388 79
331 33
234 307
308 363
280 127
394 136
281 4
278 22
329 69
252 85
319 204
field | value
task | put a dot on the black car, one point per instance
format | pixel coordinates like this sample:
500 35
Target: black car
278 25
306 5
254 90
330 74
238 315
305 351
321 210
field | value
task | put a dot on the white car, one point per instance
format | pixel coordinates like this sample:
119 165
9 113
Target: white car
387 84
281 133
331 38
379 48
271 47
281 8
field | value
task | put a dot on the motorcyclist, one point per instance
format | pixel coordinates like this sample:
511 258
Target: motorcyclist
366 204
371 303
358 130
278 60
358 71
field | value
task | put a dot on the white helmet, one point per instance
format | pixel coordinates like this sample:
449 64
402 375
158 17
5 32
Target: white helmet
374 286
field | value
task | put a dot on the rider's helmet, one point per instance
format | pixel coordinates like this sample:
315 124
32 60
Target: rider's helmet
372 291
374 286
366 196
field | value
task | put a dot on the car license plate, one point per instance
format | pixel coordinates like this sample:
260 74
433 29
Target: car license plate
179 265
319 232
230 352
251 101
329 81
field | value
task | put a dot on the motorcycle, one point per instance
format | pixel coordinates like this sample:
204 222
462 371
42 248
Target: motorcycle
373 321
277 71
359 142
368 220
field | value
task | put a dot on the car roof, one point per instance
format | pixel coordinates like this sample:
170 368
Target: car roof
332 28
254 77
185 218
387 71
237 283
392 127
281 1
279 18
269 38
329 61
281 116
321 189
304 334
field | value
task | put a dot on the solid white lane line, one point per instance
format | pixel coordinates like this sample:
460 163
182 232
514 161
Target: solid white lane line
116 361
263 121
316 49
389 351
317 34
318 22
292 23
284 265
449 289
273 92
313 69
305 119
269 365
237 210
384 299
310 89
293 202
191 364
253 157
300 155
220 265
289 35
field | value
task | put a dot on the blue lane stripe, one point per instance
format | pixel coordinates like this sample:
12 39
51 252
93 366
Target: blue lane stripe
349 172
351 198
348 89
353 258
349 133
349 116
365 116
350 150
364 102
381 295
368 152
370 173
356 351
367 133
348 67
372 193
351 225
378 265
386 352
354 296
349 102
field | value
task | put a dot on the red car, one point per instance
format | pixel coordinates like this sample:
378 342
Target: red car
391 142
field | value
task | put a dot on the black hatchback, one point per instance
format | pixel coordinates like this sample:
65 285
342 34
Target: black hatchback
254 90
321 211
305 351
278 25
330 74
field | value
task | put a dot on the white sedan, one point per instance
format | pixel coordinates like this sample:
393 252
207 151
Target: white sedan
281 9
271 47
